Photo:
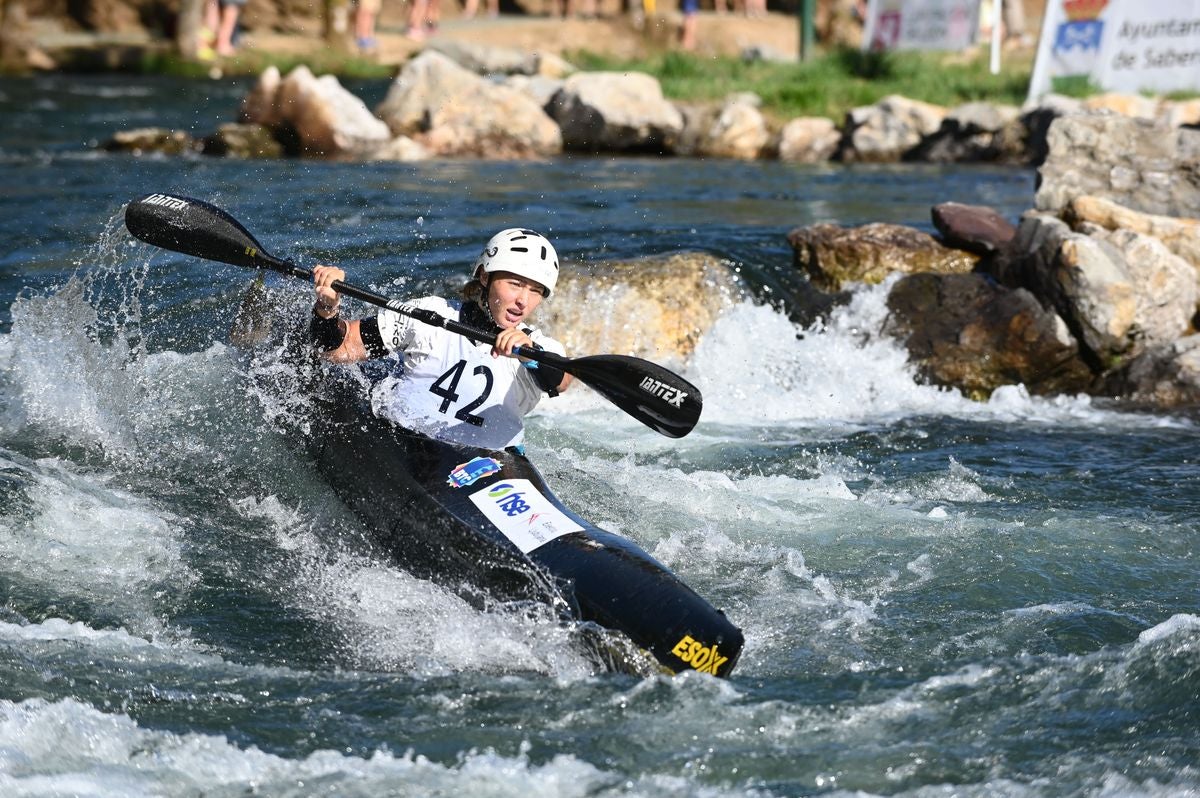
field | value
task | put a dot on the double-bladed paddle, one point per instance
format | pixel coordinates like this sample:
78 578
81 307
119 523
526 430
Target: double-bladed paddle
660 399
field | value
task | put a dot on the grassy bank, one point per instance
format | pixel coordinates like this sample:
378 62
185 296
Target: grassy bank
831 84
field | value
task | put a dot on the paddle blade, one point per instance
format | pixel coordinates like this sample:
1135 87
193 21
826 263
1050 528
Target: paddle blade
194 227
660 399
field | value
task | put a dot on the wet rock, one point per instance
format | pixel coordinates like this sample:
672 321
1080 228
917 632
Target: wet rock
967 332
327 118
658 308
976 132
614 112
1129 161
243 141
317 114
1163 376
452 111
809 139
145 140
833 255
889 130
739 130
975 228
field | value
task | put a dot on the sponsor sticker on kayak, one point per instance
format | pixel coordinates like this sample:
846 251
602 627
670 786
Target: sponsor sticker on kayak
706 659
472 471
523 514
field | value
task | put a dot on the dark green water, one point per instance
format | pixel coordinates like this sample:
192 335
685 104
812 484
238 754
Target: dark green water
939 597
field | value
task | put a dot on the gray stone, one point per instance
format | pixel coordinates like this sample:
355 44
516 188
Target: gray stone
612 111
1129 161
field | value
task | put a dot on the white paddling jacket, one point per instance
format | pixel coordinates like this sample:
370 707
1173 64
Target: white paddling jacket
451 388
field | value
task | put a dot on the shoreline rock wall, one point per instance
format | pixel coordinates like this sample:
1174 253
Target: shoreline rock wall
1096 296
490 102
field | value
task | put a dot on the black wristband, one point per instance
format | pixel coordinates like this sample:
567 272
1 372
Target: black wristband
326 334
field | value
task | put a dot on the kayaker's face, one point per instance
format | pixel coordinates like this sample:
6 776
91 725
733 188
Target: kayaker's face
512 298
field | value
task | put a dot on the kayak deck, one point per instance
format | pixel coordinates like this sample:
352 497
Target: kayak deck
486 520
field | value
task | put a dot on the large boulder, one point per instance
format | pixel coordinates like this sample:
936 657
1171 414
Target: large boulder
1181 236
1130 161
1164 286
323 117
452 111
1119 292
739 131
967 332
657 308
809 139
833 255
615 111
976 132
889 130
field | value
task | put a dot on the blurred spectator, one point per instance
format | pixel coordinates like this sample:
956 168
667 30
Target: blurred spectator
365 14
220 26
1013 12
423 18
472 8
687 34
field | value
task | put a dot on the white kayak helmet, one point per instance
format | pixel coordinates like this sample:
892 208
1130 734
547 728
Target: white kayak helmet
522 252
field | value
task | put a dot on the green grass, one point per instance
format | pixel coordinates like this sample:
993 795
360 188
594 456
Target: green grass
253 62
829 85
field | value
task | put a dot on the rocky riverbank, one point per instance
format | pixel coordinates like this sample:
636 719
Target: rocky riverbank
470 100
1093 290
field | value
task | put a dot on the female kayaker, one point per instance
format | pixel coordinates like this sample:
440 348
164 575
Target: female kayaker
451 387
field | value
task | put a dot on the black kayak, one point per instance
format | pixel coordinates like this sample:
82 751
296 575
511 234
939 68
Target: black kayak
487 520
474 520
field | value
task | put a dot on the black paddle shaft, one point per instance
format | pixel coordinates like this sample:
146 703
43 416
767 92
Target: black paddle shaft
659 398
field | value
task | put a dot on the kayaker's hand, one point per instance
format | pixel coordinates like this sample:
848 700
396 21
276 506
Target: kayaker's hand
327 298
510 339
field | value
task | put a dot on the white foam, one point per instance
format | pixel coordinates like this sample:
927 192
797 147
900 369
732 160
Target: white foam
67 747
79 536
755 367
395 621
1176 624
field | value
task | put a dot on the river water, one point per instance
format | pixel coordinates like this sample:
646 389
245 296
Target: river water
939 597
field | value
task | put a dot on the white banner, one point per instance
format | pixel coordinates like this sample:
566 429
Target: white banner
1124 46
921 24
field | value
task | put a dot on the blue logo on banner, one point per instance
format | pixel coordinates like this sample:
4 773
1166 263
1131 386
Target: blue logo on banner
1084 34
